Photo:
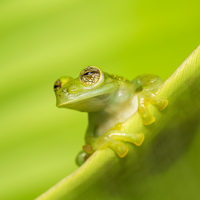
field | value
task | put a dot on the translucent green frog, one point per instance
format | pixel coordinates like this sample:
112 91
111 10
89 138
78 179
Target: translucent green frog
109 100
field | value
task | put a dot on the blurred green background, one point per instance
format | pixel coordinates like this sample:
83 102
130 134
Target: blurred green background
42 40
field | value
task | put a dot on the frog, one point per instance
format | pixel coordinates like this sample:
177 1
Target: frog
109 100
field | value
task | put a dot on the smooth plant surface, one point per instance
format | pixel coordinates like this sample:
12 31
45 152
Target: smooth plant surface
104 175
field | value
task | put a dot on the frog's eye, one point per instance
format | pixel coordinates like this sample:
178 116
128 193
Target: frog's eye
91 75
57 85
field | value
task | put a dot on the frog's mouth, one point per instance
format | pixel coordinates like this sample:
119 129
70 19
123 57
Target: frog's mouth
87 103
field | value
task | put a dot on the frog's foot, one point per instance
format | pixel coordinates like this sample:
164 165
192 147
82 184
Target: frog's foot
114 139
144 97
81 158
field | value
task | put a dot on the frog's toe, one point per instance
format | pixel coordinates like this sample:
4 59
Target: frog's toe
88 149
163 104
148 96
119 147
135 138
155 100
147 118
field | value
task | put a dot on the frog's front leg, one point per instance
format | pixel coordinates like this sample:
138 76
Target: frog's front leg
148 84
114 138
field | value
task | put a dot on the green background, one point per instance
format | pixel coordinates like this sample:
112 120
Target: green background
42 40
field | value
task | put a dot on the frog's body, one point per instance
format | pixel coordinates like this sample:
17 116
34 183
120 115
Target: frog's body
109 101
100 122
118 107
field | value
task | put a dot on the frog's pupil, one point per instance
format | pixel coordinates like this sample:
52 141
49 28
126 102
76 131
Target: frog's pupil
88 73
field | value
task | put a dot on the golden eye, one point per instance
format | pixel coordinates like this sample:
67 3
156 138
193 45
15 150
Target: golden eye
57 85
90 75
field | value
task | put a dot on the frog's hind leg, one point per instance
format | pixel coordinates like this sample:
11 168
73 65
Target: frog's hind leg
148 85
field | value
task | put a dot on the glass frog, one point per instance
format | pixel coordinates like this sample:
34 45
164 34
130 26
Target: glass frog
109 100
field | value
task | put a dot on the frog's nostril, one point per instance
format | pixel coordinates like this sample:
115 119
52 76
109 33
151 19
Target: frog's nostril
57 85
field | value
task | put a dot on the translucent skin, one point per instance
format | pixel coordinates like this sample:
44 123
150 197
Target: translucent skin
109 101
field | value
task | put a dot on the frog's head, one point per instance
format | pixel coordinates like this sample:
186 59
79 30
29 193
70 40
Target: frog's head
90 92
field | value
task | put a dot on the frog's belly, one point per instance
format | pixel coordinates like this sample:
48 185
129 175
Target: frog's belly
122 114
